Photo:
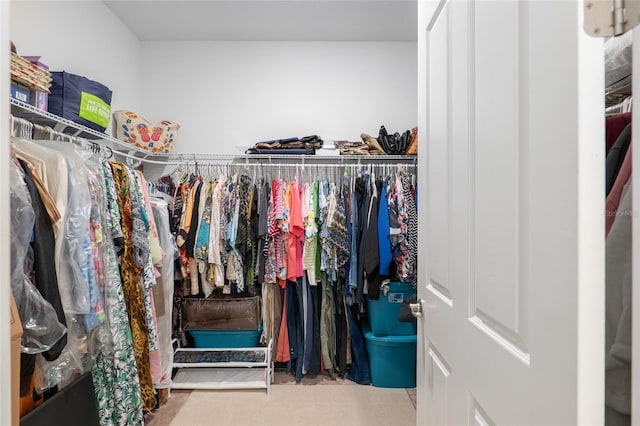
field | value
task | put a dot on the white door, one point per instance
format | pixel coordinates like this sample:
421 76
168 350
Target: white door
511 260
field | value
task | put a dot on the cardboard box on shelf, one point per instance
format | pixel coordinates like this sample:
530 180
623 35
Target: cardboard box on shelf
20 92
39 100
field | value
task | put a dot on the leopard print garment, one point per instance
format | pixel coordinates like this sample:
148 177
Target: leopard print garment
142 253
133 289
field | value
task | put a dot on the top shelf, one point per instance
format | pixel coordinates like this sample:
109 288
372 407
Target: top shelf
68 127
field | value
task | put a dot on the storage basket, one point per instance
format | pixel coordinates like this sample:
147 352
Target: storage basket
238 313
225 338
157 138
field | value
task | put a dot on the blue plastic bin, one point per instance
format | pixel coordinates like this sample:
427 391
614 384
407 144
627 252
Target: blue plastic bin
392 360
383 313
225 338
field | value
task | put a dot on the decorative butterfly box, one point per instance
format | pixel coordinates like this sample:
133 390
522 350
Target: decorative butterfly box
157 138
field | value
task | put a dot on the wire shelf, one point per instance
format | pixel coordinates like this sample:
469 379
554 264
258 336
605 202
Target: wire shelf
123 149
62 125
287 159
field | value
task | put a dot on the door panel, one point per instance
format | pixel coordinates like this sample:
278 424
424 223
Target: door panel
439 373
439 202
512 143
496 237
478 416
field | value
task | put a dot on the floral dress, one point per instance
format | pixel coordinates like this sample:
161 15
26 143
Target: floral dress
115 374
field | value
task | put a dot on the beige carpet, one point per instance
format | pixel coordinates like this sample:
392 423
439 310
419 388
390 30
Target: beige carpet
291 404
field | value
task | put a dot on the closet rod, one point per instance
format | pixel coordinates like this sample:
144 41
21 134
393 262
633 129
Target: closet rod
175 159
301 166
134 161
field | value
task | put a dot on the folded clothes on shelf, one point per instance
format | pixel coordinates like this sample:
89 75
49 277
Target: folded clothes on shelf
357 148
285 151
305 145
390 144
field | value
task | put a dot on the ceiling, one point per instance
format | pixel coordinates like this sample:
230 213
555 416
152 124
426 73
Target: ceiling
269 20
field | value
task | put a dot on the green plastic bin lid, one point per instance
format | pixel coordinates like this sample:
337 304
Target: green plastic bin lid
368 334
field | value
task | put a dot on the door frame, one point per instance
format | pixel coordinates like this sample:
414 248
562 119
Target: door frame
5 209
635 237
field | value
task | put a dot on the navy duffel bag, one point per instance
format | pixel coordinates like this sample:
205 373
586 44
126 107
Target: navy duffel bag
80 100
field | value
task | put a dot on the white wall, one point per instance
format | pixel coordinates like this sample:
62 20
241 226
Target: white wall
228 95
81 37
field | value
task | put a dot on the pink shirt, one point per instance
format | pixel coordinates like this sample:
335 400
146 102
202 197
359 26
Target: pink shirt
613 199
296 233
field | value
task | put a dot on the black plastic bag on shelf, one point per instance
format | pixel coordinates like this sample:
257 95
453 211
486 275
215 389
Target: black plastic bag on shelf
395 144
306 145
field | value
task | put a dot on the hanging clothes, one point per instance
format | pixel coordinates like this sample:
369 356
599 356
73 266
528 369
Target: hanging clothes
384 245
34 306
83 240
615 157
41 329
166 284
55 178
613 199
243 243
614 126
215 243
371 262
263 225
133 289
201 250
364 205
410 261
44 268
116 372
313 247
618 313
141 252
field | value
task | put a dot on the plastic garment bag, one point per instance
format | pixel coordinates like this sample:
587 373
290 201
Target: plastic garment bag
165 284
41 328
90 334
74 266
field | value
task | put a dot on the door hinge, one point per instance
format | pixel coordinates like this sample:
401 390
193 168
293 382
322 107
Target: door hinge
607 18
